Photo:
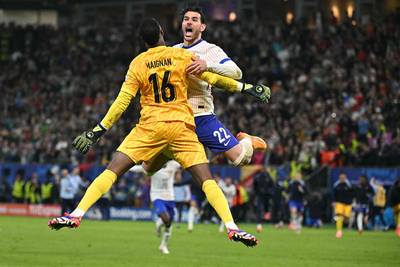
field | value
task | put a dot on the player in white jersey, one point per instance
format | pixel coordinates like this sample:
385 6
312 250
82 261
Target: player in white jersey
229 189
163 198
211 132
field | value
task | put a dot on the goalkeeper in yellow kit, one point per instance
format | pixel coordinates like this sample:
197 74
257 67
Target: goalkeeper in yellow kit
166 126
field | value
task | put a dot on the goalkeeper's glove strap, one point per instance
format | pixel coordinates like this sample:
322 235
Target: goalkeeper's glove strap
97 132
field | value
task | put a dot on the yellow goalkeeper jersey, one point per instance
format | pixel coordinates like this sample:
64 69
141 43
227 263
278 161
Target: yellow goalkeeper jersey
159 74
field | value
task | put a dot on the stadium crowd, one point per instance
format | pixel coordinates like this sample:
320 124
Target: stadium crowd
336 89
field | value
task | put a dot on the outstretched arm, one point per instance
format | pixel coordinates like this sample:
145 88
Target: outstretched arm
259 91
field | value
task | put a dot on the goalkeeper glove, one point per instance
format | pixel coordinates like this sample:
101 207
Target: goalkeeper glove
84 141
259 91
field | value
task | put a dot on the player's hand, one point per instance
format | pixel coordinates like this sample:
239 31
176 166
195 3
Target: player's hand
197 67
85 140
259 91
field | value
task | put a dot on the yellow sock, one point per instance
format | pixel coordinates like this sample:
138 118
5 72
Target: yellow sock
97 188
339 223
217 200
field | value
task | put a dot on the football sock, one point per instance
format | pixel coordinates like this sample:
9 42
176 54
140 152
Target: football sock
191 214
246 154
97 188
77 213
360 221
339 223
218 201
166 235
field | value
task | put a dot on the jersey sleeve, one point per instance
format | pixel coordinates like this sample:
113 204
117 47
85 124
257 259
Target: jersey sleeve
118 107
217 55
132 82
222 82
228 69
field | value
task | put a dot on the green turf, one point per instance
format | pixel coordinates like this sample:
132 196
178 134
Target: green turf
28 242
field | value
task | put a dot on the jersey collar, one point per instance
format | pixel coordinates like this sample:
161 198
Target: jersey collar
195 43
157 48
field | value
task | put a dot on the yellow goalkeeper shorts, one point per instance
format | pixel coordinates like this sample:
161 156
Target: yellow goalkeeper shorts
343 209
175 138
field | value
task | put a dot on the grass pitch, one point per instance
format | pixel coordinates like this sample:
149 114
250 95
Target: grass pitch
29 242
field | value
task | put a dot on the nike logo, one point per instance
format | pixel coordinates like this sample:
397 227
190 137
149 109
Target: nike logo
227 142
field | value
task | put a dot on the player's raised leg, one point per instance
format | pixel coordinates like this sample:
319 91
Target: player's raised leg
214 135
102 184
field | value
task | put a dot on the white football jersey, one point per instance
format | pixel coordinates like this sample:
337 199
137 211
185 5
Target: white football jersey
199 95
162 182
229 192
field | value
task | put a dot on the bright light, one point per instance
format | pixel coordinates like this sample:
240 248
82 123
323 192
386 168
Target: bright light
232 16
289 17
350 10
335 11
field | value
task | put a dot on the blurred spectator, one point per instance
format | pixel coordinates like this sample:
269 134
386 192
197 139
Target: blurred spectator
120 193
241 203
80 183
363 196
315 207
18 187
32 190
378 203
68 189
297 192
229 190
47 189
263 187
104 204
279 205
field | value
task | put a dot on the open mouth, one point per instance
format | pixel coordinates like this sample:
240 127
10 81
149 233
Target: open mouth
189 30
